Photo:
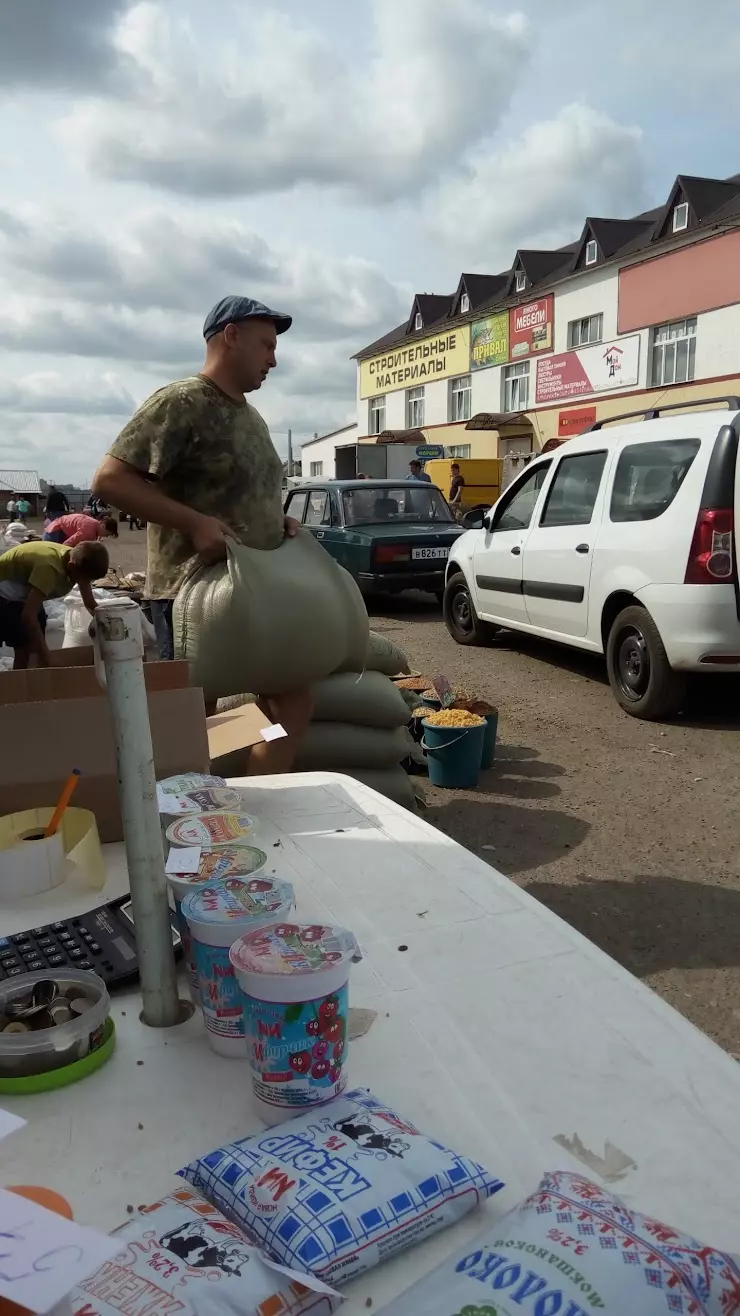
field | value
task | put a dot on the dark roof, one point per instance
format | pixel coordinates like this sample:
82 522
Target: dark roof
482 288
541 266
614 234
402 436
712 201
433 306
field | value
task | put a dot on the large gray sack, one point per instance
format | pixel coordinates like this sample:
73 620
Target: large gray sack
336 746
269 621
385 656
366 699
394 783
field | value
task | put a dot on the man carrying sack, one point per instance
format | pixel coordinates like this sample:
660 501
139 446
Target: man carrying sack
197 463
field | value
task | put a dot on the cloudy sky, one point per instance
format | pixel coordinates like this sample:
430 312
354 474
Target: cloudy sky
330 158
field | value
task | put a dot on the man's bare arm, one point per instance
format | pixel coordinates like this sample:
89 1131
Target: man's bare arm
31 609
123 486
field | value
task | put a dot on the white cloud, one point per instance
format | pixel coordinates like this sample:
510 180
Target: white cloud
53 393
144 275
276 104
536 191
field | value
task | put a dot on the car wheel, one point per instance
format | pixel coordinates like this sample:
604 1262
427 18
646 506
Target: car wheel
460 616
642 680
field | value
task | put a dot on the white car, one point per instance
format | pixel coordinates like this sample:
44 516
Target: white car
621 542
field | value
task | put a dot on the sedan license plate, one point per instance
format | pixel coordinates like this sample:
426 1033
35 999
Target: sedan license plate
423 554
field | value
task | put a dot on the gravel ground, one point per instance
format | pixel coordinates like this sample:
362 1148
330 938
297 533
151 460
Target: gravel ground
628 830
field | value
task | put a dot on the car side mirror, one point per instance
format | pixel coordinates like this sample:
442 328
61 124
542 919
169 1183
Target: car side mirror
472 520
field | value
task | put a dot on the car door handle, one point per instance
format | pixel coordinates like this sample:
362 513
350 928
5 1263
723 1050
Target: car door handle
319 534
516 551
581 548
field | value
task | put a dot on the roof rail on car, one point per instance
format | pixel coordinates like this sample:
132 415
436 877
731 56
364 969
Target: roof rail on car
652 413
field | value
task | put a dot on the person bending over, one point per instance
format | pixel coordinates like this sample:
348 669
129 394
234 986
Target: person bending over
77 528
32 573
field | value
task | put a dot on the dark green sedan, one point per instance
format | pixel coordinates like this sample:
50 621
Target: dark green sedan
390 535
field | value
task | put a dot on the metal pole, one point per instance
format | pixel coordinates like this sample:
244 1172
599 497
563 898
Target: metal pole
118 628
290 452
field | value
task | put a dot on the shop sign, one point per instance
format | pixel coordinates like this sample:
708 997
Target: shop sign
575 421
597 369
429 452
420 362
489 341
531 327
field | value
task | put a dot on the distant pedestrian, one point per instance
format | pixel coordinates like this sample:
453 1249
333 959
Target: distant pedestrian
10 509
23 509
56 505
457 484
416 472
76 528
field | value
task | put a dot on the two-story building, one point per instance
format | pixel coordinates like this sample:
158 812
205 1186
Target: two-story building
635 313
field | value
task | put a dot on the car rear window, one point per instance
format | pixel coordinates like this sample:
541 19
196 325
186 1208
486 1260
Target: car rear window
410 502
648 477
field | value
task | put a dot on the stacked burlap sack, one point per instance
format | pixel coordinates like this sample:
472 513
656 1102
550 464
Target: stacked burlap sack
360 725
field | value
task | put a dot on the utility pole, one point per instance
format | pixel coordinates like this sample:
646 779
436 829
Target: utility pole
290 452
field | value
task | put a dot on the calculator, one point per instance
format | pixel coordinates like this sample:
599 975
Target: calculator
103 940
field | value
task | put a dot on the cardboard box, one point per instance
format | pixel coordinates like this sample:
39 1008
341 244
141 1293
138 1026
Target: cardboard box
57 718
53 719
230 736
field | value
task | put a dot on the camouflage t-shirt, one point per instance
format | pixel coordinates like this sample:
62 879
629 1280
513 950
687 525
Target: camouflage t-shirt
212 454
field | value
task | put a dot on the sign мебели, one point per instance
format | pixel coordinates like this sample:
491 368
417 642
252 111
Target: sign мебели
531 328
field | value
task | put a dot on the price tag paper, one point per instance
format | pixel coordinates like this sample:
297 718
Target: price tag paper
42 1255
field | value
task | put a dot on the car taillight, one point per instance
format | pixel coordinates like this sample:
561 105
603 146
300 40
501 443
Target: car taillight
712 559
388 553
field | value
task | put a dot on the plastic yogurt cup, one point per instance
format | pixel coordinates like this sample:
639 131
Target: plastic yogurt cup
215 865
218 914
294 977
213 831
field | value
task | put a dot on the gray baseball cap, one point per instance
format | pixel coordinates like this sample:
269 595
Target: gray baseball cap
230 310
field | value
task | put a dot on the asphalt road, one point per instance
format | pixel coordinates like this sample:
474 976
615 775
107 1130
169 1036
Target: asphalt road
628 830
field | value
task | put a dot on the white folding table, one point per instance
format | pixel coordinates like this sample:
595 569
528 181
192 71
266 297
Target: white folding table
499 1029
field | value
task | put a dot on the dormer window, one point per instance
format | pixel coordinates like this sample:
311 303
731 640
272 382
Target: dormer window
681 217
521 281
464 304
592 252
419 321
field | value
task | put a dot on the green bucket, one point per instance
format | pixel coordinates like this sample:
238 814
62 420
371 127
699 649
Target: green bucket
489 740
454 755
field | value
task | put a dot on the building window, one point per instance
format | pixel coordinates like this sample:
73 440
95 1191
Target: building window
376 416
521 281
317 468
680 217
460 398
459 450
464 304
419 321
588 330
592 252
415 407
673 352
516 387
